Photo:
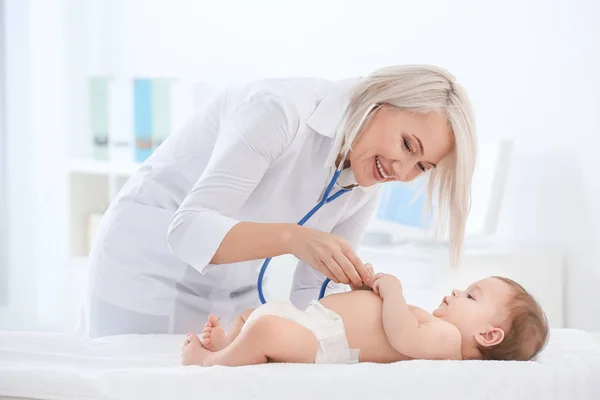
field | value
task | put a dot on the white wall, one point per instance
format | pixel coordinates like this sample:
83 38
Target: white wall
530 68
3 183
48 108
21 295
36 138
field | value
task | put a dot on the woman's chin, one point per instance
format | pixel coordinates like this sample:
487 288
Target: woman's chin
366 182
366 178
362 180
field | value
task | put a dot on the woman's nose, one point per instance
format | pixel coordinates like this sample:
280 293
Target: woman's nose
401 171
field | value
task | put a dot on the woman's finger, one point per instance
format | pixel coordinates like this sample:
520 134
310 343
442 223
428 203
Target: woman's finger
376 287
371 270
318 265
356 261
371 273
336 270
324 269
348 269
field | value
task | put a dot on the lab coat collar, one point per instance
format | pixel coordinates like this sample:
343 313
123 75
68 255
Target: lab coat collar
330 111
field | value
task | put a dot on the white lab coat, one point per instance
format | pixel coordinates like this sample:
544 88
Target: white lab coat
261 153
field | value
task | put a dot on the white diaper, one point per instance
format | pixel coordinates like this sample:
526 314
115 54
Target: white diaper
327 326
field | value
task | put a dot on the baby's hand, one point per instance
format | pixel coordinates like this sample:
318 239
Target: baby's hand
385 283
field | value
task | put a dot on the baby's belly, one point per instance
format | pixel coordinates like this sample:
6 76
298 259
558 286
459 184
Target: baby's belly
361 312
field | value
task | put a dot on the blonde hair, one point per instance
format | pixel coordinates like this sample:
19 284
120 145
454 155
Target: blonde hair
425 89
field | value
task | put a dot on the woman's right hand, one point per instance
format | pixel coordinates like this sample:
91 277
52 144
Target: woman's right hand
329 254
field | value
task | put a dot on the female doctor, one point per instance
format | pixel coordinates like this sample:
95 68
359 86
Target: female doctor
188 232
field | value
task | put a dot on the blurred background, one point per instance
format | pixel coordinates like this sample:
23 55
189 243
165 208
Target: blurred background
88 88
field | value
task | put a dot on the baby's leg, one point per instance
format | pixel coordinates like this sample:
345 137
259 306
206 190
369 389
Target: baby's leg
268 338
238 324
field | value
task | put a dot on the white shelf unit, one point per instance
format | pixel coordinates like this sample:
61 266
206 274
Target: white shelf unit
92 186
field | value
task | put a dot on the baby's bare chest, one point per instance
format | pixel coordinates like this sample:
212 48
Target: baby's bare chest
361 312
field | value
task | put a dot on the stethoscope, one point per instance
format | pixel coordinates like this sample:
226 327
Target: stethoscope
326 198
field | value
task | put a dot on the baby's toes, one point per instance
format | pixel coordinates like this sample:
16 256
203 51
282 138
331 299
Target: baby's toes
193 338
205 338
213 320
187 340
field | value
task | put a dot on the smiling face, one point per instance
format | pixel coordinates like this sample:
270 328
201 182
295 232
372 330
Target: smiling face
478 310
399 145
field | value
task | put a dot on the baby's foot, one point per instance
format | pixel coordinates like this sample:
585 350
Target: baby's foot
214 337
193 353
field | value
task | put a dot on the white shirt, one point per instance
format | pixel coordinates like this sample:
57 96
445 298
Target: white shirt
261 153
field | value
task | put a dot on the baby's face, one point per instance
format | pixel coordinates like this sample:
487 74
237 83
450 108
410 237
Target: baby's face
478 308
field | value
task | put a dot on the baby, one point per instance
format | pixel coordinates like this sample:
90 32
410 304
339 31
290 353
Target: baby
493 319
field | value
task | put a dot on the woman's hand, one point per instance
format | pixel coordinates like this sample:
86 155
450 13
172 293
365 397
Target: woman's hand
385 283
327 253
366 285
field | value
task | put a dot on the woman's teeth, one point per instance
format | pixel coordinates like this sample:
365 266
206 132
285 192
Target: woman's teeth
380 168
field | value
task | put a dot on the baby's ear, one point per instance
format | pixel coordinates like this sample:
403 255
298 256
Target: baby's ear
491 337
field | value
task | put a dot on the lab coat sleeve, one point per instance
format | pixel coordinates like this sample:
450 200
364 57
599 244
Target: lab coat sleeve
249 139
307 281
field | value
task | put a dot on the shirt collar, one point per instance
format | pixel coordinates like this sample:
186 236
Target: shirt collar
330 110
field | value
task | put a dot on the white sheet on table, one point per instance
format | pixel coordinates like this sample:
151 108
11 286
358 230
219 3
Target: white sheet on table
52 366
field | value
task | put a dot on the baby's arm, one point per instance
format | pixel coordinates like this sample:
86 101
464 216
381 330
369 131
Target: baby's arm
433 339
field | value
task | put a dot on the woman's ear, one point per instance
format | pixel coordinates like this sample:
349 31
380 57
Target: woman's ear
491 337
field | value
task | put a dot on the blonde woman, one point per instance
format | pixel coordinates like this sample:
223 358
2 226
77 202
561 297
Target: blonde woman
187 234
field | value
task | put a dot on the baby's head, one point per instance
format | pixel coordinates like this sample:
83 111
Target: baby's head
498 320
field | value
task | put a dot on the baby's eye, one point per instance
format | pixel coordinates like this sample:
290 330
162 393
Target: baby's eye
470 297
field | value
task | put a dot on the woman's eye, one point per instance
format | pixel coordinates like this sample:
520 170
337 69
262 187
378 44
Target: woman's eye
421 167
407 145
